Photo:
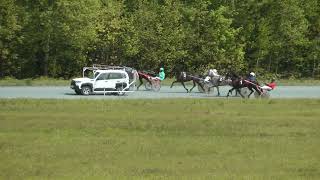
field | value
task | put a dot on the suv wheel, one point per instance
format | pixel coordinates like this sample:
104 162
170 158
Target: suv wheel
156 86
148 86
86 90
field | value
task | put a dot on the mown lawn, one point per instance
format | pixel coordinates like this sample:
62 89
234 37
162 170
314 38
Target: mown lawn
160 139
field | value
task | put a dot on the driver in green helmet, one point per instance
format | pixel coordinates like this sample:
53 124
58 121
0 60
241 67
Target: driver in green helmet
161 75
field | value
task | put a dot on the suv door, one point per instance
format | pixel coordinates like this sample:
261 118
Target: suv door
116 78
102 82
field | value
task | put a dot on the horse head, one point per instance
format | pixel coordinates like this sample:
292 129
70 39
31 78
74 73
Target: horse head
233 76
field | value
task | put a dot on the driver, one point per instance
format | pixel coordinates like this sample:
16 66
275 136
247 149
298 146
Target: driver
252 78
161 76
213 73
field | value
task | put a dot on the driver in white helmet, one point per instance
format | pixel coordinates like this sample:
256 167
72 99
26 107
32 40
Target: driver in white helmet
213 73
252 78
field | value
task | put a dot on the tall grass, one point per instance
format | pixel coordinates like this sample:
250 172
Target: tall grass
159 139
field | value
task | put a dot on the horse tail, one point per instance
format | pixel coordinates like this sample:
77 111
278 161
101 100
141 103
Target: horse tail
135 75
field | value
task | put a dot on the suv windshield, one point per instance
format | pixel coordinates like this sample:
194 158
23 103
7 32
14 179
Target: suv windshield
95 75
91 75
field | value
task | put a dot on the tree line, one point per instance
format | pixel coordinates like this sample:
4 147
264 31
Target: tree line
56 38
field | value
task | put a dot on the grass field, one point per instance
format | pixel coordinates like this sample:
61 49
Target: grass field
43 81
159 139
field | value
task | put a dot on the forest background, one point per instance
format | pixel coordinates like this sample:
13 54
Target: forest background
56 38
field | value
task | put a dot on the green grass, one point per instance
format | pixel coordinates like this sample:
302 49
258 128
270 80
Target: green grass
299 82
43 81
159 139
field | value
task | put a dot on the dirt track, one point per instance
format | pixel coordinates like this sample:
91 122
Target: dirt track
165 92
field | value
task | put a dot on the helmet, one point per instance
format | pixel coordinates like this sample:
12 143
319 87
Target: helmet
161 69
212 72
252 74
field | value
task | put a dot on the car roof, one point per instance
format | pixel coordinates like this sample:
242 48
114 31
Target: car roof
111 70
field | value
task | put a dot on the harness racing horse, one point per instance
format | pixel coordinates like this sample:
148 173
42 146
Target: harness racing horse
146 76
215 82
183 77
239 82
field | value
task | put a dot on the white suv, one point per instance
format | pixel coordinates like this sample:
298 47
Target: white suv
103 81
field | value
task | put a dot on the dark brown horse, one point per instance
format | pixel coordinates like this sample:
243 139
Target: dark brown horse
238 82
146 75
183 77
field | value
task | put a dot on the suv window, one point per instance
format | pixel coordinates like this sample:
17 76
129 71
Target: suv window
116 76
103 76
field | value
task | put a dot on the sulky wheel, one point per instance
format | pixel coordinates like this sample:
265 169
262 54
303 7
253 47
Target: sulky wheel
148 86
156 86
264 95
208 89
244 91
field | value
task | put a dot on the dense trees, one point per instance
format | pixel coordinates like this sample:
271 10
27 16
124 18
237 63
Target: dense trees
56 38
8 36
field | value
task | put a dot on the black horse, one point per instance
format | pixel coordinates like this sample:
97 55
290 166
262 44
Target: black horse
238 82
183 77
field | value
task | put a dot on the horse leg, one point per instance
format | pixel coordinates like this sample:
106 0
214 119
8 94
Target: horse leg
173 83
250 92
236 94
218 90
184 86
141 82
201 86
238 90
230 91
194 85
150 82
258 90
